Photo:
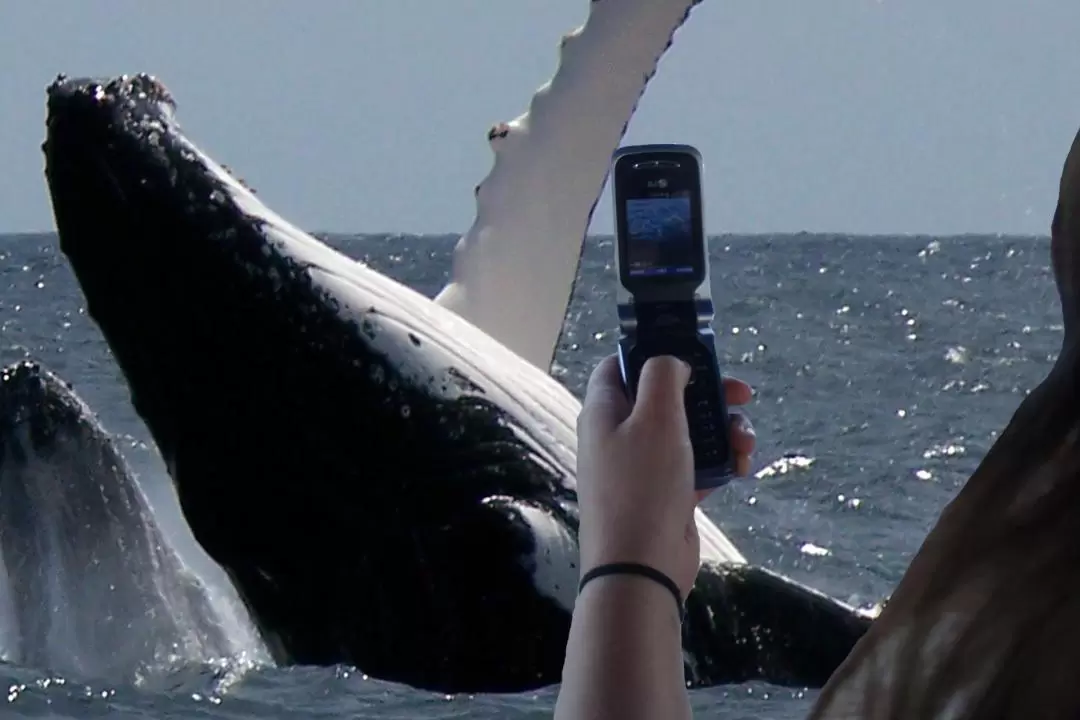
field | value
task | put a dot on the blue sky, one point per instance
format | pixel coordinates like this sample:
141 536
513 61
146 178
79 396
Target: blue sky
913 116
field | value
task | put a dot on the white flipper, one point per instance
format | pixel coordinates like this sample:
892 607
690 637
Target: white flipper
514 270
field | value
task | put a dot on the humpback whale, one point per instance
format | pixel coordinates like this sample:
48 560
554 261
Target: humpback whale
388 481
386 485
88 585
985 622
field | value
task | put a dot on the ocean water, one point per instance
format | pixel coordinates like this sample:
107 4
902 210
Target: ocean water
884 368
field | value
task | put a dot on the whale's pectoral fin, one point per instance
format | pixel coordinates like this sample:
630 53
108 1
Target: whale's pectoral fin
514 270
748 623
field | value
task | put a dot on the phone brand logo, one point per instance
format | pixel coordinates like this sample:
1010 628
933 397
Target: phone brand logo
661 183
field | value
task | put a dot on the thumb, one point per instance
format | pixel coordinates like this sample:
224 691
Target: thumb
660 392
606 405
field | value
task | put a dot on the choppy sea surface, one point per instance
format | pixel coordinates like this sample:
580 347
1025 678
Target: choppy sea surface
884 368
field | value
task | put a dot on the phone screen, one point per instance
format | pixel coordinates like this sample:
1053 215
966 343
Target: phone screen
658 203
660 235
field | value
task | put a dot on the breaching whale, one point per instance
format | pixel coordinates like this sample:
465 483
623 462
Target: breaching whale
386 483
985 622
88 585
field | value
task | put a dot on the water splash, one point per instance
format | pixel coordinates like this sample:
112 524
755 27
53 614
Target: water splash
90 587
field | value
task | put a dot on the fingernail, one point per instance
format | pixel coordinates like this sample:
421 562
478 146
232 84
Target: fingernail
742 422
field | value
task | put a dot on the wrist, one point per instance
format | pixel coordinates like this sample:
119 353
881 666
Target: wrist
634 594
624 657
668 561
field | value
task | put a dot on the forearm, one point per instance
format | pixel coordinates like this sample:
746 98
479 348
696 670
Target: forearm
624 656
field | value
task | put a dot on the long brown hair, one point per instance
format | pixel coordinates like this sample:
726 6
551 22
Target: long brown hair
986 621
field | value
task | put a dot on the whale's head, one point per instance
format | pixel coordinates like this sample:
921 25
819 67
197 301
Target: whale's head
212 302
131 197
88 585
58 467
182 268
111 149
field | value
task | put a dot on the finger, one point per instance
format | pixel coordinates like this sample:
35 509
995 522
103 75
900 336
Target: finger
742 465
742 435
606 404
743 441
660 392
737 392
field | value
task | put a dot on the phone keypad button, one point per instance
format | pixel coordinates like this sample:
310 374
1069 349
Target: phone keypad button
704 408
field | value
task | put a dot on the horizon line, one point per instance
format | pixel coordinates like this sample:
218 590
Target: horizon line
725 234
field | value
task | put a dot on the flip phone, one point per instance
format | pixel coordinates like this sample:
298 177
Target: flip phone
665 299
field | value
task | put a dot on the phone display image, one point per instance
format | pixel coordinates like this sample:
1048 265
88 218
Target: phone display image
661 240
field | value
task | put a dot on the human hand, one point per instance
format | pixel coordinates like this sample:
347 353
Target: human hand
636 469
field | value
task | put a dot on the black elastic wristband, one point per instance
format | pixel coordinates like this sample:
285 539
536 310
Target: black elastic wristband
635 569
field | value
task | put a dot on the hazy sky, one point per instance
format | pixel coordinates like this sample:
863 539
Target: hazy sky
932 116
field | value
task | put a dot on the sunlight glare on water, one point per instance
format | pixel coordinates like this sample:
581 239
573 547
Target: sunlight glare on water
883 369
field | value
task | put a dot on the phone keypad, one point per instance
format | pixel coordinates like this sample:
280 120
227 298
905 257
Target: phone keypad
706 411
